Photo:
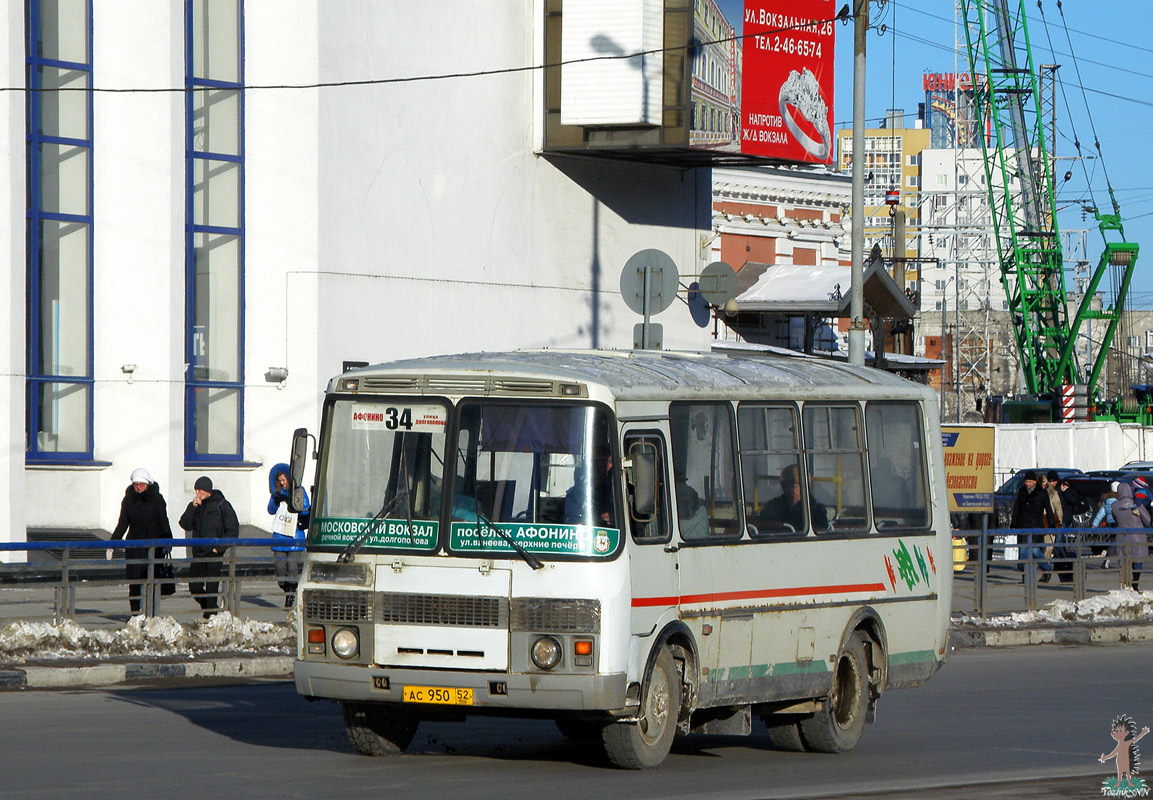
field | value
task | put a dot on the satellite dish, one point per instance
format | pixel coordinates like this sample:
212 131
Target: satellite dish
698 306
649 281
718 283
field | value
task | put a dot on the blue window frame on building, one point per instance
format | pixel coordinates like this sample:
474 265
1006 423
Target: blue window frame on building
214 402
58 58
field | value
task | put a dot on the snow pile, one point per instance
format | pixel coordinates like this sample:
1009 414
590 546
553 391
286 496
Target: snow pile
145 636
1119 605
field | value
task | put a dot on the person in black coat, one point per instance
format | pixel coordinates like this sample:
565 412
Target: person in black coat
1031 509
143 515
208 516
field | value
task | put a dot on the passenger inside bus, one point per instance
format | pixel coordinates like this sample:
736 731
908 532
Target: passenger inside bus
785 513
692 516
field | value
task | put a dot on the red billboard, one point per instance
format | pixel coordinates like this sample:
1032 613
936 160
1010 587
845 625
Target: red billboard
787 84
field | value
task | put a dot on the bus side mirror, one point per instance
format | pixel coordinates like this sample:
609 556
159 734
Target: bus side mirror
643 500
296 470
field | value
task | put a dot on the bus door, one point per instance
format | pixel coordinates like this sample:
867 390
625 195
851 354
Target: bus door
652 567
715 572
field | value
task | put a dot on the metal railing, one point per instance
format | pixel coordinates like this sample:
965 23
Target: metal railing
1003 572
84 585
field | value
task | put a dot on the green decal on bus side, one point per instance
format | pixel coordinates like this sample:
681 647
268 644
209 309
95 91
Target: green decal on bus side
394 533
577 540
912 657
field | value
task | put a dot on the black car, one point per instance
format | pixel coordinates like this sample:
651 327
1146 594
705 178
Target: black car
1004 497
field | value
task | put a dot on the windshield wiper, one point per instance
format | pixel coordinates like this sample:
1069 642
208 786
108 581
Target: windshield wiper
369 529
528 557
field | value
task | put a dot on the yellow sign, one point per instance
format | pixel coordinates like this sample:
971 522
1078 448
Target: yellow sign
969 467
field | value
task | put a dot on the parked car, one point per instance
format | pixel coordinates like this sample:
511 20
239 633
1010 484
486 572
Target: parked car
1004 496
1138 466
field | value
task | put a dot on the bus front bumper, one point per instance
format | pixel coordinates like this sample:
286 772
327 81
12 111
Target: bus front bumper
490 689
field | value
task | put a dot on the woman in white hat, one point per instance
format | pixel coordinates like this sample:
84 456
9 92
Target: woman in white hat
143 515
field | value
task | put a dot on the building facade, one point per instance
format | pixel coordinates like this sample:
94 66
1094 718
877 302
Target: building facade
211 206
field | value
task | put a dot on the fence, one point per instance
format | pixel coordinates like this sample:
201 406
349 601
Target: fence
84 586
1003 571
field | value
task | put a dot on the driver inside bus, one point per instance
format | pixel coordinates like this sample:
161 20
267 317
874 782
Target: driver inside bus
590 500
785 513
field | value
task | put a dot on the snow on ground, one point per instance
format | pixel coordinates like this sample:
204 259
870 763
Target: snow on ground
145 636
21 642
1119 605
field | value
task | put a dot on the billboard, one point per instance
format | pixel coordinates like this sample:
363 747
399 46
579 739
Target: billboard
740 82
787 89
969 467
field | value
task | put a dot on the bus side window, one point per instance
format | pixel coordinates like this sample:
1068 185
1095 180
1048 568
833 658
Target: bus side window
705 470
770 467
652 526
897 474
835 450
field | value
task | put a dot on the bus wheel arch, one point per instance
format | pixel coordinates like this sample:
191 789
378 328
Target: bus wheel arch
679 640
867 623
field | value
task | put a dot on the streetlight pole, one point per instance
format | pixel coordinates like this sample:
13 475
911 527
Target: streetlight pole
857 268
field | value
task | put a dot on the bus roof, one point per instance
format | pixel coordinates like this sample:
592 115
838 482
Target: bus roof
642 374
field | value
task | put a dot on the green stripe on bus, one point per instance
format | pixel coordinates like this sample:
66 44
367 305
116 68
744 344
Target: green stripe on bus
912 657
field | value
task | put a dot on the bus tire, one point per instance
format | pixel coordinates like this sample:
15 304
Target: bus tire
784 734
377 730
837 725
645 743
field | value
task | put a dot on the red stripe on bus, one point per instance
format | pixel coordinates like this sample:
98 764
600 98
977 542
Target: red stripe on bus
714 597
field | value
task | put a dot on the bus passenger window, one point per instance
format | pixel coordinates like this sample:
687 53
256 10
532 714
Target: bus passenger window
833 444
770 468
897 465
705 470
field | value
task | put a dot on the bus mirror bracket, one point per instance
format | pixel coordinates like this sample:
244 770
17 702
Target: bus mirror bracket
643 477
300 439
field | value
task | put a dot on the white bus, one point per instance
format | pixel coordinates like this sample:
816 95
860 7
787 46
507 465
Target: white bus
635 544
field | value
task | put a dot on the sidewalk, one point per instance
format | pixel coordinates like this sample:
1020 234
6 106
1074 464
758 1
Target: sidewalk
138 671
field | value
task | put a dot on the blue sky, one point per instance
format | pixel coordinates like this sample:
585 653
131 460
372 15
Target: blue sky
1104 46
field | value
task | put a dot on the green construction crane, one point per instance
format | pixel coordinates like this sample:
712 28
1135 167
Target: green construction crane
1020 180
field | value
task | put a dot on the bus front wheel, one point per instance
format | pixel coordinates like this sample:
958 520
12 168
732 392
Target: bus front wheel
645 743
837 726
376 730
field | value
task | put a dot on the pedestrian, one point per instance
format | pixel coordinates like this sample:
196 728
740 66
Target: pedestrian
1104 519
1132 520
287 558
1031 509
208 516
143 515
1048 481
1071 505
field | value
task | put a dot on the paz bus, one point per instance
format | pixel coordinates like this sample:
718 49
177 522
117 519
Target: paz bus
636 544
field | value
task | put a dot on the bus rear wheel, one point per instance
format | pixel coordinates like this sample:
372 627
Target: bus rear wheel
837 726
377 730
645 743
784 733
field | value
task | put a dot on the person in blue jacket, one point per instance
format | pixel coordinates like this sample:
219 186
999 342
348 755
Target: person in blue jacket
288 557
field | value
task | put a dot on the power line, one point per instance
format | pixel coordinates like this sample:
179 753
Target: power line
437 77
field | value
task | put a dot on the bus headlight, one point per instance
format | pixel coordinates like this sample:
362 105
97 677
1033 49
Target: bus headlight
346 642
545 652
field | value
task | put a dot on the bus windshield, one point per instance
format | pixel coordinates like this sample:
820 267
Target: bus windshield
381 475
543 473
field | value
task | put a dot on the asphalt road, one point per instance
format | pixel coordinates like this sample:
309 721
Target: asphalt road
1023 722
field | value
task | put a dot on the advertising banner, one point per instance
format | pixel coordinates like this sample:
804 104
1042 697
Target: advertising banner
787 82
969 467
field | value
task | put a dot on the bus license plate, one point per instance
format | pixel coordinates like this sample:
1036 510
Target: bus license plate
438 695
